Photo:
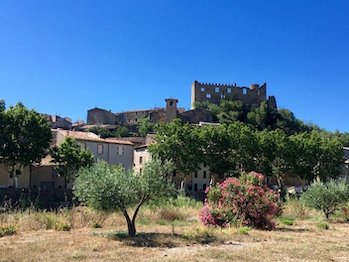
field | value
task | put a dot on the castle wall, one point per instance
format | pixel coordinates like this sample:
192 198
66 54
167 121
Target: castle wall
98 116
214 93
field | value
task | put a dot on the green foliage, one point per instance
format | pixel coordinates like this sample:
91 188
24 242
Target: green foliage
121 132
287 220
317 155
101 131
104 132
25 137
179 143
8 230
322 225
145 127
69 158
261 117
112 188
327 197
275 154
243 230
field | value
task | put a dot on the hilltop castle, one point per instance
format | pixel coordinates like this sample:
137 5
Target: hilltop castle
214 93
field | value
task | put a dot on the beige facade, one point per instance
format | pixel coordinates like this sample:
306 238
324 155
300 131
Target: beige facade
141 156
113 151
200 180
20 180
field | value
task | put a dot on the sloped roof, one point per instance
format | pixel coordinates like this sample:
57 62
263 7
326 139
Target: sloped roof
89 136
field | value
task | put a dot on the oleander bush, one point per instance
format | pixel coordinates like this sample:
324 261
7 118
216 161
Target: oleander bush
245 201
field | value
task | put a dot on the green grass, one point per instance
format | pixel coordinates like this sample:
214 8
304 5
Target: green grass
287 220
8 230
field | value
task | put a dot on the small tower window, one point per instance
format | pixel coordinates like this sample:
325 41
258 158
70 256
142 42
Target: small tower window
208 96
216 89
202 89
244 91
229 90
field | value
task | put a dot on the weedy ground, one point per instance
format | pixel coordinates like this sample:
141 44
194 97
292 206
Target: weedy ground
169 234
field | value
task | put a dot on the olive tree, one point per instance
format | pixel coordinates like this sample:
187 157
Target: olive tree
112 188
327 197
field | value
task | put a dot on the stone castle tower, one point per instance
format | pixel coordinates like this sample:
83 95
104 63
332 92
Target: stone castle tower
171 109
214 93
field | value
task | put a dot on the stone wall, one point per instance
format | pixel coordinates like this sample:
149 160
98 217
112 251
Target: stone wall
214 93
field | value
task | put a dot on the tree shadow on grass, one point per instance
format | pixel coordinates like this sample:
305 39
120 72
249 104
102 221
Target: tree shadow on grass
296 230
165 240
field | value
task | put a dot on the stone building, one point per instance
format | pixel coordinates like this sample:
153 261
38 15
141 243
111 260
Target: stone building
58 122
214 93
99 116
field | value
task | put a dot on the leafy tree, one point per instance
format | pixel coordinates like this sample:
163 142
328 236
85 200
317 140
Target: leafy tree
145 127
275 155
101 131
111 188
317 155
179 143
121 132
25 137
228 148
327 197
217 148
69 158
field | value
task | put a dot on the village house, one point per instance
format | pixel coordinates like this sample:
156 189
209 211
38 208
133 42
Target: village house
113 151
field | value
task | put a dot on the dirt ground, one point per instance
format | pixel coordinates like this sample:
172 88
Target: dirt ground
300 242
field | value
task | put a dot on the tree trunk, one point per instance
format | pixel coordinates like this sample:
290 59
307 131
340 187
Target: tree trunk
130 225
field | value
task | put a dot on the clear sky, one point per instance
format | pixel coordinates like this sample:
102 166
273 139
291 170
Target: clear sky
65 57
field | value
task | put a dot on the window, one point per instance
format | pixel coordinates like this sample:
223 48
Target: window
204 187
196 174
100 149
222 96
208 95
216 89
195 187
259 92
82 146
202 89
205 165
140 170
229 90
244 91
140 160
204 174
120 150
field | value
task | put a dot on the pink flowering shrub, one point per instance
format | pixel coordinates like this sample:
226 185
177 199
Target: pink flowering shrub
244 201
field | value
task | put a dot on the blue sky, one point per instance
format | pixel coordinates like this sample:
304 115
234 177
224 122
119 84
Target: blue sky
65 57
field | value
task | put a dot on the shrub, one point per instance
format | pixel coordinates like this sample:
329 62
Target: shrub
8 230
327 197
245 201
288 221
322 225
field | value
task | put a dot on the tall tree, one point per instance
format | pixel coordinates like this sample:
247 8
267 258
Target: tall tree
179 143
69 158
275 154
317 155
25 137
